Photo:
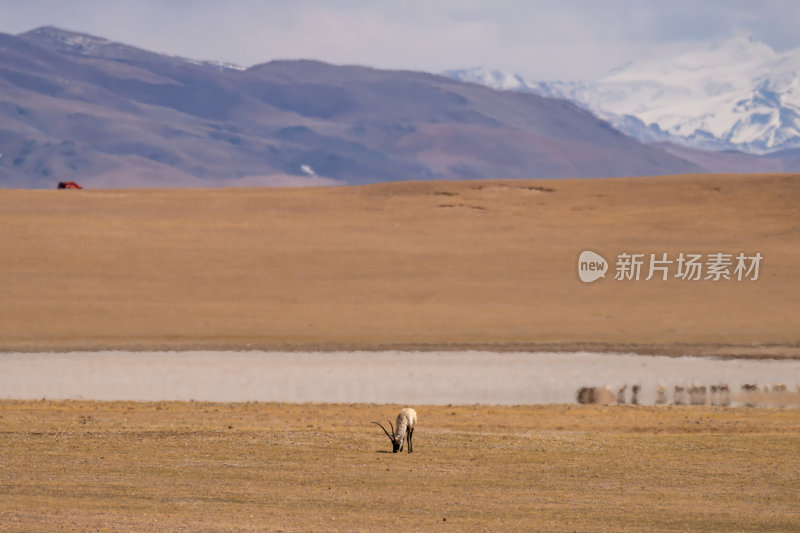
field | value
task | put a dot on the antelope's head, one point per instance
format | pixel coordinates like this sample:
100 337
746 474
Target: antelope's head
395 443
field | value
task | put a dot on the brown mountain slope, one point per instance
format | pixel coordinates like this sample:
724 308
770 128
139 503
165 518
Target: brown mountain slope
79 107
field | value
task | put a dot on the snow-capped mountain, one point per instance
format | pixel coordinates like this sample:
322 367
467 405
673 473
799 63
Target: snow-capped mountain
740 94
105 114
505 81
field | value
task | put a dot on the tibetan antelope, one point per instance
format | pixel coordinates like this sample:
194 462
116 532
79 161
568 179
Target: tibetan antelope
698 394
720 395
750 392
621 394
406 421
661 395
598 395
635 390
681 397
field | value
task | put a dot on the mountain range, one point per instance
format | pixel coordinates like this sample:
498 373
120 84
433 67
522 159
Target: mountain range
83 108
737 95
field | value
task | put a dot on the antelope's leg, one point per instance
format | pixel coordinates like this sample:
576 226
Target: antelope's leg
410 433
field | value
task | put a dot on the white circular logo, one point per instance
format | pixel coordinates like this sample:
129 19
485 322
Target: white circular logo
591 266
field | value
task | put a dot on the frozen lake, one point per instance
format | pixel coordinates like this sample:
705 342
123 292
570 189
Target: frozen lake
377 377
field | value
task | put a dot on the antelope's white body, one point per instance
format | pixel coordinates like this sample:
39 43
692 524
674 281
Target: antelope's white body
406 421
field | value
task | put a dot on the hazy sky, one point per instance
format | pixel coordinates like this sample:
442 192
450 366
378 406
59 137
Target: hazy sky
542 40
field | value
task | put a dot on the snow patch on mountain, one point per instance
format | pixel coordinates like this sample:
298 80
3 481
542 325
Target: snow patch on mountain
90 46
740 95
492 78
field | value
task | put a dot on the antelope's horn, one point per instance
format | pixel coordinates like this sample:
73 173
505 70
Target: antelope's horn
391 437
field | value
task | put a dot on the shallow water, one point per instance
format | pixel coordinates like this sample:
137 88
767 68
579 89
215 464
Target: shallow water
378 377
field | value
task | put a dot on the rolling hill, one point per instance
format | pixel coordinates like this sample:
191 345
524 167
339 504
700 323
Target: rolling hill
78 107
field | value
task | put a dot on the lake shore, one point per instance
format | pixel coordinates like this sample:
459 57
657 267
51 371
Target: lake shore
446 377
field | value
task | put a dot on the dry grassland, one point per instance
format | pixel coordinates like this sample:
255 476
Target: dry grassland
293 467
404 265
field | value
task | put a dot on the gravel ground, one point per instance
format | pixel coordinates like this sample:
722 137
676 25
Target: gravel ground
377 377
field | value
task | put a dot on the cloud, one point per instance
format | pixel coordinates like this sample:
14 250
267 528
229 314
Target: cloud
571 39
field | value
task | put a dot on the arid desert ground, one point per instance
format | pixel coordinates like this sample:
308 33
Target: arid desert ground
445 265
407 266
193 466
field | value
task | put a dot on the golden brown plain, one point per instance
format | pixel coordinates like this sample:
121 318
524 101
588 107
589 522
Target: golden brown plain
440 265
193 466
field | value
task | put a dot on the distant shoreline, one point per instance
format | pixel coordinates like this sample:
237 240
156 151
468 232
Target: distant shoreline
421 378
722 351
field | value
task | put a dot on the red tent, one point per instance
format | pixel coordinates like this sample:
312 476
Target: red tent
68 185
